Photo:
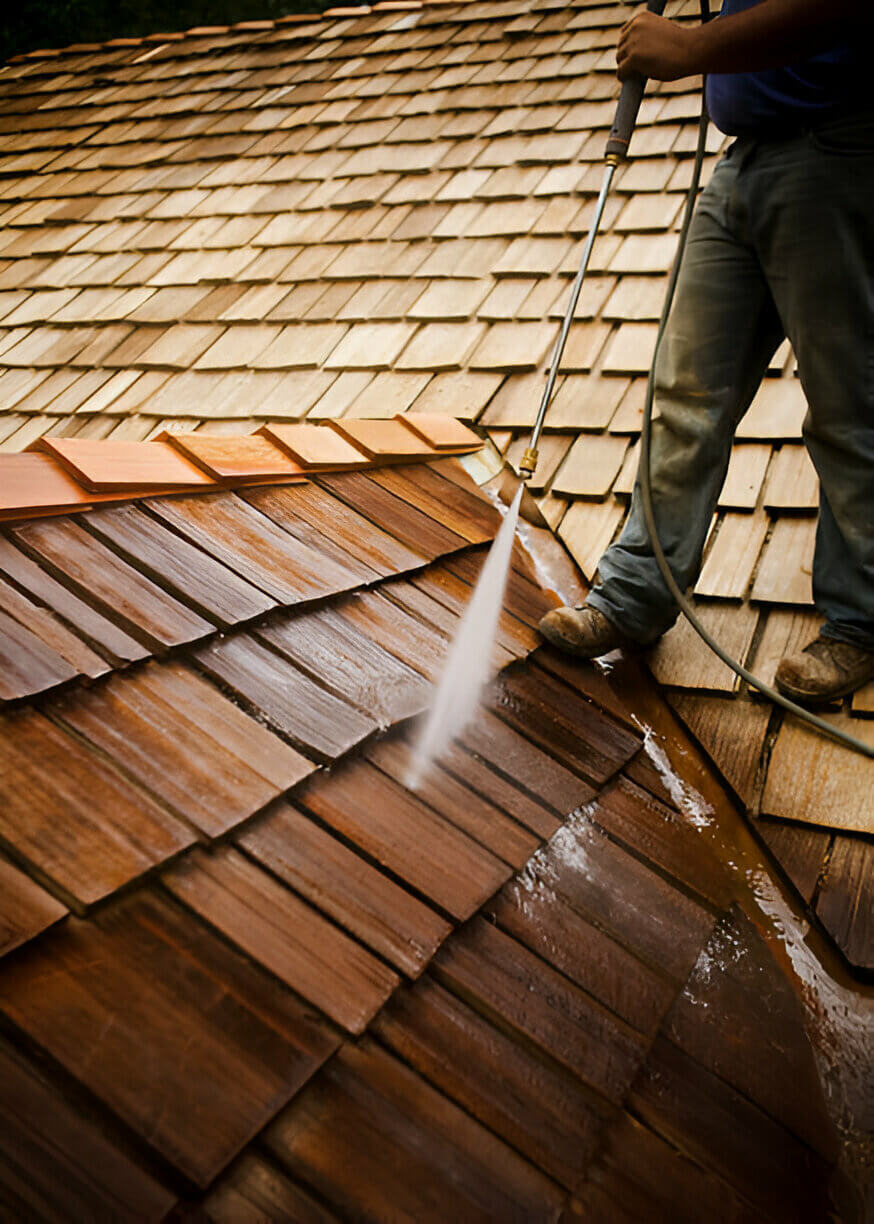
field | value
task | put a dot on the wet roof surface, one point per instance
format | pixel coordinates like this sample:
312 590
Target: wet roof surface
245 968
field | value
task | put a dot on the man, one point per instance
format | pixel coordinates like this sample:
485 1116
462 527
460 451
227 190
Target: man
782 244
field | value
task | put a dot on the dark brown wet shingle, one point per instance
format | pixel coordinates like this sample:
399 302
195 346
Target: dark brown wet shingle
191 1044
77 821
118 590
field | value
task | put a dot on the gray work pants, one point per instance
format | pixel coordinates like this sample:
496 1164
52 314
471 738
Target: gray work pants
782 244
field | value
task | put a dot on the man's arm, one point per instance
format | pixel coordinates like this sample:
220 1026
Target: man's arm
772 33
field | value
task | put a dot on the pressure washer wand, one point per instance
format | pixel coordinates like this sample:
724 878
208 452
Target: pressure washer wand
617 149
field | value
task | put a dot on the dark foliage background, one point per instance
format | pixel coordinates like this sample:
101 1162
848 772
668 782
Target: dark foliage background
27 25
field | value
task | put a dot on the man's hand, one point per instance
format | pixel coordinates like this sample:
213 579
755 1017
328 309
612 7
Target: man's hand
654 47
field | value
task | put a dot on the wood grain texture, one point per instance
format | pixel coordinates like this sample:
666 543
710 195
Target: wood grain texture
345 886
403 834
278 930
800 850
784 571
523 763
51 631
746 472
368 1111
118 590
72 816
424 534
533 913
572 730
640 1176
315 447
459 805
188 1042
657 832
254 547
25 909
56 1165
682 659
27 665
531 1103
198 759
732 556
349 664
254 1190
97 630
846 899
628 900
732 732
186 571
104 466
468 516
317 722
833 787
488 967
417 644
294 507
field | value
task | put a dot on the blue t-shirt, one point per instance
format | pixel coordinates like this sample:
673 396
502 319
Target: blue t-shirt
744 103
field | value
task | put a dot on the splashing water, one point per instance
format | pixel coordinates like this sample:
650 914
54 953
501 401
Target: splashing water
468 663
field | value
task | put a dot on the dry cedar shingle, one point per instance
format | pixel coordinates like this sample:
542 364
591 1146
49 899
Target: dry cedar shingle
630 350
513 346
784 573
390 392
591 466
776 413
370 346
792 481
440 346
237 346
588 528
463 395
732 556
119 466
585 402
681 659
743 481
833 788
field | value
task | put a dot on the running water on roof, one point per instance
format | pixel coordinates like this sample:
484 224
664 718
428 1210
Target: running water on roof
469 661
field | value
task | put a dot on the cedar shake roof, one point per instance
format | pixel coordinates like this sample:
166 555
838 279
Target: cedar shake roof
246 973
277 301
378 212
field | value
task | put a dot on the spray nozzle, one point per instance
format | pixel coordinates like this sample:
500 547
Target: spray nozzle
528 463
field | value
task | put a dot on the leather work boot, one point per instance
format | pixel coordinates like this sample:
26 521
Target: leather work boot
584 632
824 670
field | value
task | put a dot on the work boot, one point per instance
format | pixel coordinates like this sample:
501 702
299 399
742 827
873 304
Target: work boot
824 670
584 631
